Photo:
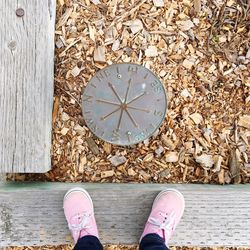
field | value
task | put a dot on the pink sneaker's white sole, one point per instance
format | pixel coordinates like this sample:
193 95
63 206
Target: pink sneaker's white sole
81 190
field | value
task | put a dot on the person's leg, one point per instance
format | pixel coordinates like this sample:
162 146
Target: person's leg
79 212
88 242
167 210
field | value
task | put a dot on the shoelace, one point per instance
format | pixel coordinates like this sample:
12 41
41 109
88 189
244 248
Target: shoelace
83 224
168 224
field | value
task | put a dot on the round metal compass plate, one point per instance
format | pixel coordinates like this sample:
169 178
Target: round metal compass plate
124 104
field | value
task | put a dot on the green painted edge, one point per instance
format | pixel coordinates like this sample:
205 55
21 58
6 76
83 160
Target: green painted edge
36 186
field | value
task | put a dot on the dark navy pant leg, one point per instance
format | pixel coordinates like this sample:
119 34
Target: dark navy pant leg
152 242
88 243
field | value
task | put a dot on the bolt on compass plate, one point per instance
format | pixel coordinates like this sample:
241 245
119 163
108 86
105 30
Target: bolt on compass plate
124 104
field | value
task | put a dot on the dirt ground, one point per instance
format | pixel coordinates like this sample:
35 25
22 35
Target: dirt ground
201 52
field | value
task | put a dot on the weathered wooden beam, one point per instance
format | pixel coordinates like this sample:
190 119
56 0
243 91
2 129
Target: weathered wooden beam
32 214
26 84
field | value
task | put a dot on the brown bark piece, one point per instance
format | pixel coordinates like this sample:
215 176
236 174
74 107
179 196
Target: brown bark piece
234 167
92 145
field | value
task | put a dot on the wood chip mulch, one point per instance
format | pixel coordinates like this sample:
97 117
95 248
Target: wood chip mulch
201 52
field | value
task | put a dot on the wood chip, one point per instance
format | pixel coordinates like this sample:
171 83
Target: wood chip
82 164
64 131
99 54
151 51
159 151
92 145
144 175
217 164
188 63
107 147
75 71
185 93
171 156
199 139
244 121
234 167
206 161
106 174
165 173
65 117
117 160
131 172
148 157
185 25
221 176
197 6
116 45
95 2
196 117
167 142
135 25
55 109
158 3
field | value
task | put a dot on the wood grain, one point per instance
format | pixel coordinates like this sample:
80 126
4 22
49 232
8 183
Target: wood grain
32 214
26 85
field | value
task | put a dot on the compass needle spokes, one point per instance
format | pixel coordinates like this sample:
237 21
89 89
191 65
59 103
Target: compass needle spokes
126 96
137 97
139 109
120 119
114 91
108 102
106 116
131 118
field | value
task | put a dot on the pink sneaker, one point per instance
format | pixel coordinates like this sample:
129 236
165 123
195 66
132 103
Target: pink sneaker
167 210
79 212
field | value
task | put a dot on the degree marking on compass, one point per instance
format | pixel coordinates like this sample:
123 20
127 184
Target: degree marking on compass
101 75
115 135
87 98
133 69
94 128
151 124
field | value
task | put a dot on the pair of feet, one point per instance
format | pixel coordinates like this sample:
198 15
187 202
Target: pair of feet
167 210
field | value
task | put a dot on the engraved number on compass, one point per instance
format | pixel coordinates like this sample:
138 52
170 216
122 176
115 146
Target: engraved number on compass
157 86
87 98
158 113
115 135
133 69
102 75
140 136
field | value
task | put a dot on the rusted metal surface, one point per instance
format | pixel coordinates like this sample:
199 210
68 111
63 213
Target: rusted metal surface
124 104
20 12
